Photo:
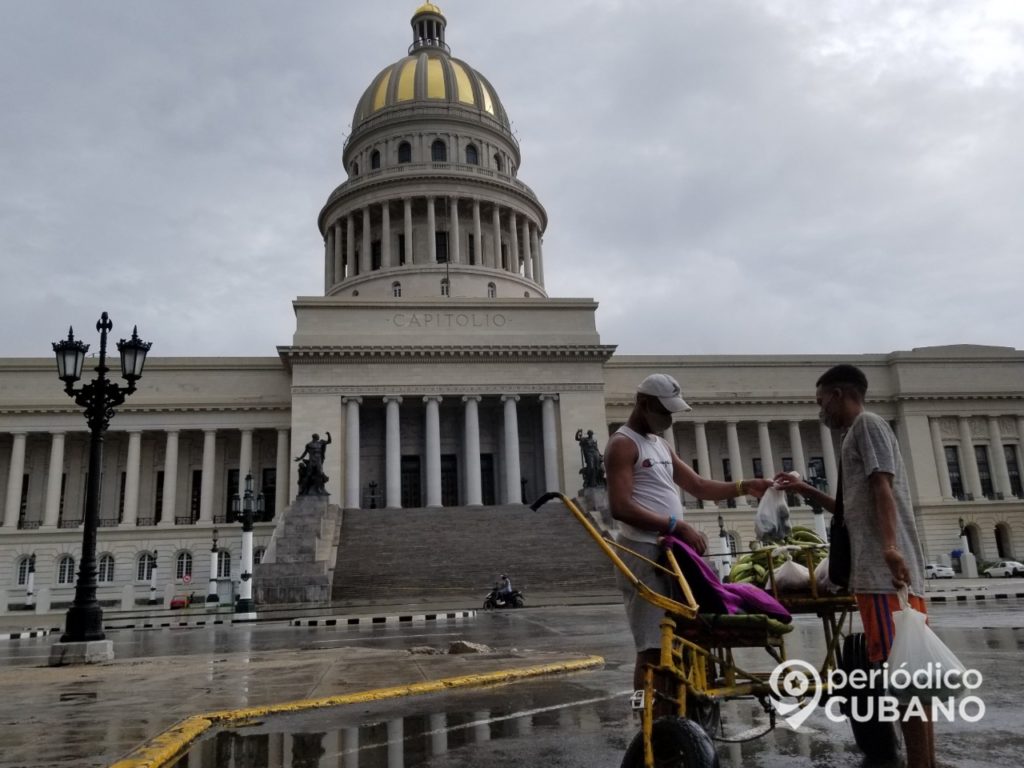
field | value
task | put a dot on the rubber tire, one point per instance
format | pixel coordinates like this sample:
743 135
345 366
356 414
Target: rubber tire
988 575
880 742
489 604
678 743
518 602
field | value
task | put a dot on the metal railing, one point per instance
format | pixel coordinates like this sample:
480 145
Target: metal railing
109 522
68 523
145 521
28 525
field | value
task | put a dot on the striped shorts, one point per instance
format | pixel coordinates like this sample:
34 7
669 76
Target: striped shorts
876 615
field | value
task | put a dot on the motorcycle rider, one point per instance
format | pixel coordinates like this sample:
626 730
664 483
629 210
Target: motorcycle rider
504 588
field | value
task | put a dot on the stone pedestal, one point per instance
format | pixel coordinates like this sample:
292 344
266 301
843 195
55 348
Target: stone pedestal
594 501
91 652
299 563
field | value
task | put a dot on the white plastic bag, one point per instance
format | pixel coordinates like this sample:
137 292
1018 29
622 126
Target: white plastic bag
825 585
792 577
772 520
920 665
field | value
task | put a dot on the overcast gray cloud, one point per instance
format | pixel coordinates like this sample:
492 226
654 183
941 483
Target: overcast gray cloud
724 177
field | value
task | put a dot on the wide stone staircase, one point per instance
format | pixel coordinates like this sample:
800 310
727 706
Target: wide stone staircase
457 553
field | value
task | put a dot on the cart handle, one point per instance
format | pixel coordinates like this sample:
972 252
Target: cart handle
549 496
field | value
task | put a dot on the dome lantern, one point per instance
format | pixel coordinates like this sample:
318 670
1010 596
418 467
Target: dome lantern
428 25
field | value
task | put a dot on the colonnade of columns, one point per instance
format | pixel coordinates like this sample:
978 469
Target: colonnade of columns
999 470
470 435
516 230
55 487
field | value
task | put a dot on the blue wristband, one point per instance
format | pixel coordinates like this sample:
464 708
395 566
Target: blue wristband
671 525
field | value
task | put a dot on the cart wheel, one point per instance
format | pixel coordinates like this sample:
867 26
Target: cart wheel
678 743
878 741
518 602
489 604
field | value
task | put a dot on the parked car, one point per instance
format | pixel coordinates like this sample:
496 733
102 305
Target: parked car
1005 568
936 571
184 600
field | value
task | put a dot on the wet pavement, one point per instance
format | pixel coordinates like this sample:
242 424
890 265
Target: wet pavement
90 716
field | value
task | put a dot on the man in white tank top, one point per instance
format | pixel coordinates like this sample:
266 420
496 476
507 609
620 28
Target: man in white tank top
644 475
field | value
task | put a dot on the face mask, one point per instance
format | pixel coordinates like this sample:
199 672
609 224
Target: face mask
658 422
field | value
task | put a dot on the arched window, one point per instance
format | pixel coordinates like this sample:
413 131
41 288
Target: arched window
375 160
445 287
492 291
472 158
105 572
257 555
439 151
183 565
355 169
223 564
23 572
396 290
66 570
497 162
405 152
146 563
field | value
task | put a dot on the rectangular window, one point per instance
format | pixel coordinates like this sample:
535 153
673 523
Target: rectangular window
504 255
401 250
158 502
471 248
231 490
984 472
727 477
787 466
120 497
758 468
696 468
375 254
816 468
956 483
196 496
1013 470
23 506
268 484
63 490
441 245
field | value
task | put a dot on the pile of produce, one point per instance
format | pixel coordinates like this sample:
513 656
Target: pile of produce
802 545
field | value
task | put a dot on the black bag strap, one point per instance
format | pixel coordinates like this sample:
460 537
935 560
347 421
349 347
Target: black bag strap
837 511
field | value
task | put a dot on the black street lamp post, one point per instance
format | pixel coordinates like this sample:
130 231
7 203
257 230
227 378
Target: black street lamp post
246 506
99 397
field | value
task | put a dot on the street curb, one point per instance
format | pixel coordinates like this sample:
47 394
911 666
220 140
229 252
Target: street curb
26 634
966 598
402 618
166 747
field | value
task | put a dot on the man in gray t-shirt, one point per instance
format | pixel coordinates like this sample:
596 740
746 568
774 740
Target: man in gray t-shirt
885 550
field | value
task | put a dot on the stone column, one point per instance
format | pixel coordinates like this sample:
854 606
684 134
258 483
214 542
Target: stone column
329 259
765 441
339 253
433 447
170 496
209 475
385 234
350 246
431 232
1000 473
828 452
393 454
732 440
474 492
939 451
550 430
513 230
131 479
454 255
527 249
352 451
703 456
796 444
51 509
538 267
15 478
365 262
496 250
282 492
245 461
478 242
968 459
513 490
407 212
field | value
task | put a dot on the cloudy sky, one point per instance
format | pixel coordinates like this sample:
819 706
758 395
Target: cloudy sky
724 176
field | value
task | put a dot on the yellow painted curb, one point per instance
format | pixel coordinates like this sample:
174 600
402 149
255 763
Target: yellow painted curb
161 750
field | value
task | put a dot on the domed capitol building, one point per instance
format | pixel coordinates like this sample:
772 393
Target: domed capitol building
453 387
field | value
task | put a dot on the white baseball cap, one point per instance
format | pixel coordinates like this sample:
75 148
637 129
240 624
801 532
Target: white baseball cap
666 389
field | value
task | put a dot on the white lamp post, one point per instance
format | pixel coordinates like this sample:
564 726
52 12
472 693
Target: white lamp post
212 598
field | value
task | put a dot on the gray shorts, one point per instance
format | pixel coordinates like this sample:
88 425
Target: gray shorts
644 618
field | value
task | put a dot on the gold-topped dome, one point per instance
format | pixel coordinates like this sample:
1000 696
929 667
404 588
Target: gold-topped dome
429 74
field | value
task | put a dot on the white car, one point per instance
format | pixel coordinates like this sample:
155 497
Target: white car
936 571
1005 568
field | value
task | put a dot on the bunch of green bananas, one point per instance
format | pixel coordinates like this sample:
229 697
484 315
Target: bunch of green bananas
752 567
